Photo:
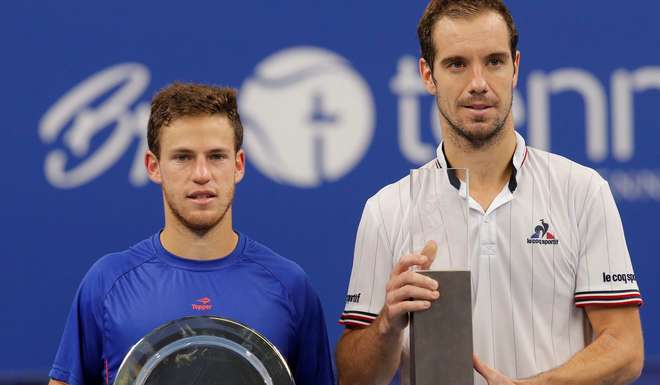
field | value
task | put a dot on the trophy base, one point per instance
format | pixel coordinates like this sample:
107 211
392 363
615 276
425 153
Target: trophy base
441 337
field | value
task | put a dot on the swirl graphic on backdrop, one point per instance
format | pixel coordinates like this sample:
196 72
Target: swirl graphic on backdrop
308 116
102 101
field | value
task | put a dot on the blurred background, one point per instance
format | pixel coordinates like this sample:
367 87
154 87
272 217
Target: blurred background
333 109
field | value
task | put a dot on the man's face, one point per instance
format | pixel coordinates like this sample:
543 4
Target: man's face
473 76
198 170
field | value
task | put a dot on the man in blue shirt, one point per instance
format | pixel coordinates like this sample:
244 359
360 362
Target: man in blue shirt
198 264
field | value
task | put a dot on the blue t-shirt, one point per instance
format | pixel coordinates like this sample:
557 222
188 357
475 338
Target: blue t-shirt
125 295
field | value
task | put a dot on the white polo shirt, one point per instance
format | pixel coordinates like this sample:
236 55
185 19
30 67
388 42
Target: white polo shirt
550 243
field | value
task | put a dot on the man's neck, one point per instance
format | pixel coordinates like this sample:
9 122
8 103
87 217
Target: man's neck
490 166
216 243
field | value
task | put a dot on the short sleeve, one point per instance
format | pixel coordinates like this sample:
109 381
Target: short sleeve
79 358
312 364
605 274
372 265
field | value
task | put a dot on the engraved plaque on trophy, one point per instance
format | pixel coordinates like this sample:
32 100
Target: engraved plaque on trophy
441 336
203 351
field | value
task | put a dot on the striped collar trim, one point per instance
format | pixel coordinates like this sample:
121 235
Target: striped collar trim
519 157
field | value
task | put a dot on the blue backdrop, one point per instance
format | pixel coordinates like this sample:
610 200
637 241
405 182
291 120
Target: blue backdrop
333 110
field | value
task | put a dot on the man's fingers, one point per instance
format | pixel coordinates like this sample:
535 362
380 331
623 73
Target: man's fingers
429 251
404 307
411 278
492 376
408 261
424 259
410 292
407 290
481 368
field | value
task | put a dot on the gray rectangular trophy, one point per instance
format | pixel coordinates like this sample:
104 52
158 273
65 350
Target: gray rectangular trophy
441 337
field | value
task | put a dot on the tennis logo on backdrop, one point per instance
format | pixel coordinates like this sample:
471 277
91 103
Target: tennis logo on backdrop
100 106
308 116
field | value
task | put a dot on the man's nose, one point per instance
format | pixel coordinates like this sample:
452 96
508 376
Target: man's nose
201 172
478 84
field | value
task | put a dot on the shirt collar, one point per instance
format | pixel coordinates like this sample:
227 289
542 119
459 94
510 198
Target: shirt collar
519 156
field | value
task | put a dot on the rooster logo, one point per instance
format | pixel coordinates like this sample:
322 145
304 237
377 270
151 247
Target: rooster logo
541 231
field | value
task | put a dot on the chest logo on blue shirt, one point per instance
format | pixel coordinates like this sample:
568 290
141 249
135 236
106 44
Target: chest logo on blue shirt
202 304
542 235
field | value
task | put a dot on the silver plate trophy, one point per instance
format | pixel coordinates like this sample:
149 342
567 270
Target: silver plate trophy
441 337
204 351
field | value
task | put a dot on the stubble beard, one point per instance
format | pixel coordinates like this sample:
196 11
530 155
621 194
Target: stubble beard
199 227
482 139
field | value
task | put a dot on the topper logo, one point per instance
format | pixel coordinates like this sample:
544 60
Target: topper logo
84 112
202 304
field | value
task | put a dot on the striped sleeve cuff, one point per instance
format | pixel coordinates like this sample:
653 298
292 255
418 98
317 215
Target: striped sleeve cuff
608 298
357 318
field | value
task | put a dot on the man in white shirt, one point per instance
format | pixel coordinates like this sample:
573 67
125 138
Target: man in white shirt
555 300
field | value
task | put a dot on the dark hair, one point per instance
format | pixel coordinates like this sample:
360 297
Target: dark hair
180 100
458 9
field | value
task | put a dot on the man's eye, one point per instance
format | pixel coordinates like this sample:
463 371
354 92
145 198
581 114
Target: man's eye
181 157
456 65
495 62
218 156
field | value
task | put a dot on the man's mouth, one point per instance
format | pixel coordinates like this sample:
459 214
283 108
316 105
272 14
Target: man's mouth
201 196
478 107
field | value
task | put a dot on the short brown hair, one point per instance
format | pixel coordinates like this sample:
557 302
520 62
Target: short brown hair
458 9
179 100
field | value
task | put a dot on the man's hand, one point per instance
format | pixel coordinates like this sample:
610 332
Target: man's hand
492 376
408 291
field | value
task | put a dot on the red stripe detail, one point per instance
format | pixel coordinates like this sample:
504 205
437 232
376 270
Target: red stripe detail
606 296
636 301
524 157
361 313
358 317
350 323
107 373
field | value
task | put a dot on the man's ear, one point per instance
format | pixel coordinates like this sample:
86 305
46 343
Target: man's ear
152 164
427 76
516 69
239 172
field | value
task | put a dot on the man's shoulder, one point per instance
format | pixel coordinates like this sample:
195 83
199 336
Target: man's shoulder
110 267
396 195
561 168
281 268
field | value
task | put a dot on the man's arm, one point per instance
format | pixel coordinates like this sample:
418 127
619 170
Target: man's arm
312 364
55 382
79 359
615 357
365 356
371 355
